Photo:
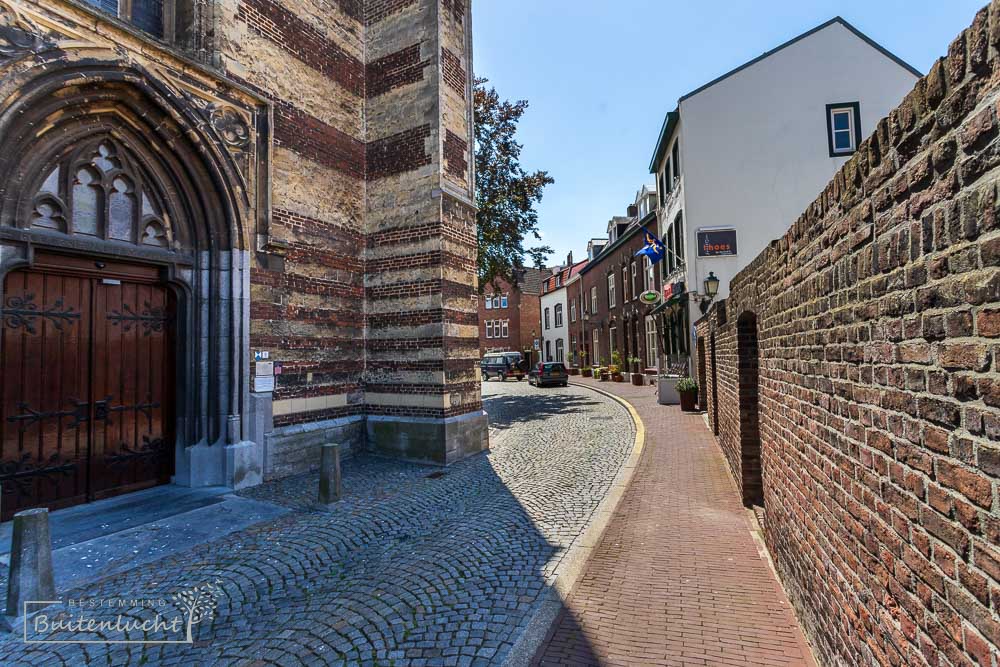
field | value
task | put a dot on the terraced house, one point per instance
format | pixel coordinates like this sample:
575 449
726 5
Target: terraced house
229 231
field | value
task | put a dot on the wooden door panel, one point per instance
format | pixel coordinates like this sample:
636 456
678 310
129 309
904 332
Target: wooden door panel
44 389
86 386
132 448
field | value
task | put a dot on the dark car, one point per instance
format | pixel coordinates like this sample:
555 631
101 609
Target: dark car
546 373
502 365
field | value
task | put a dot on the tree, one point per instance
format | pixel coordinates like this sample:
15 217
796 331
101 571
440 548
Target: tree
505 193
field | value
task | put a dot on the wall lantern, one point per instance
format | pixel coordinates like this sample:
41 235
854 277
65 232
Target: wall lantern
711 285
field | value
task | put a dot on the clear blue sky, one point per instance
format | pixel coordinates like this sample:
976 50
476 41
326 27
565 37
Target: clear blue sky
600 76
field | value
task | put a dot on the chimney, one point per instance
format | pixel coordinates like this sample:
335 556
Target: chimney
633 211
569 258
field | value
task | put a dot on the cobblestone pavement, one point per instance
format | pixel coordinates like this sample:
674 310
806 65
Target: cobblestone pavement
677 578
412 568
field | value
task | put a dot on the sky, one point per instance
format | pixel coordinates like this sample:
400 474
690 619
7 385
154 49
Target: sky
600 76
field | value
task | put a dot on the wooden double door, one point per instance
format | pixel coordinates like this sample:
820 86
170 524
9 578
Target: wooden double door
86 382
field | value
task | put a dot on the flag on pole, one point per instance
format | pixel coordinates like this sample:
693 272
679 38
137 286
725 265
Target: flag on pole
654 248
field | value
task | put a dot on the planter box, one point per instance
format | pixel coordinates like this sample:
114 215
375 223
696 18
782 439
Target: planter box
618 377
587 373
666 391
604 376
638 379
688 401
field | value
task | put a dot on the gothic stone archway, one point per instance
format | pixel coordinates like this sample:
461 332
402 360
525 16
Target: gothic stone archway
140 192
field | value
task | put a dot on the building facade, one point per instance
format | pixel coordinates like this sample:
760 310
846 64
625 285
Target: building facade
611 317
852 381
509 315
784 122
556 343
230 232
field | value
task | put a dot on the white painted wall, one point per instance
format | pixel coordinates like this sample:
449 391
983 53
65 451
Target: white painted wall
550 300
754 150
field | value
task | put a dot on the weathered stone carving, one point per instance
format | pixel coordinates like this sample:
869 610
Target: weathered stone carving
231 126
18 35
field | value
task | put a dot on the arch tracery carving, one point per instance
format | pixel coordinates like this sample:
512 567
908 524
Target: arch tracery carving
99 191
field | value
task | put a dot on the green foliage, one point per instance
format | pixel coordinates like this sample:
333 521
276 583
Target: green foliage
505 193
616 358
686 385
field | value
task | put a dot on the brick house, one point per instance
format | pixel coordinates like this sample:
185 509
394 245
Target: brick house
611 316
268 203
509 315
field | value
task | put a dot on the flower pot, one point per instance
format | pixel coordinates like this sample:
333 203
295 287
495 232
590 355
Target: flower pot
618 377
638 379
604 376
587 372
688 400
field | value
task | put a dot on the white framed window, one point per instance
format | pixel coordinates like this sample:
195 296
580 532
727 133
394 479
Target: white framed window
505 332
547 318
650 273
843 121
593 300
558 313
596 356
625 294
572 310
558 281
503 301
611 290
634 294
488 301
560 352
548 350
489 328
612 335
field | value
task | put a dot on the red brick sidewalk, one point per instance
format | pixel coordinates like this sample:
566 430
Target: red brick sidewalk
677 578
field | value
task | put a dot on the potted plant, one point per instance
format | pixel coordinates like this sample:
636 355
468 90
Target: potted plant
572 369
616 367
637 377
587 371
687 389
602 374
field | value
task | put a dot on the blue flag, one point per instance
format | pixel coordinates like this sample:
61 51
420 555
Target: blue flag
654 248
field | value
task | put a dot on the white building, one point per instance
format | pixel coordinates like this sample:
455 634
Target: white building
741 157
557 315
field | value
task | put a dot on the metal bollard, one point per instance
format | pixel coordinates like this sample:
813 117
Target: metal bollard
30 561
329 474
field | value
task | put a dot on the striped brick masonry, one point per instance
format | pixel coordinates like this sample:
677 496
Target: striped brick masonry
851 378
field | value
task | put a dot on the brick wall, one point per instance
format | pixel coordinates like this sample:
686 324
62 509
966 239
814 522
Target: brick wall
879 406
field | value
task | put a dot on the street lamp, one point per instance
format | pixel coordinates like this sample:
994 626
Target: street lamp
711 285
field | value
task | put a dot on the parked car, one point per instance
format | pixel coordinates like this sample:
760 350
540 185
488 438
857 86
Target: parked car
546 373
503 365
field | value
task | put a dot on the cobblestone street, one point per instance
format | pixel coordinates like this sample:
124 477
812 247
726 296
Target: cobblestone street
413 567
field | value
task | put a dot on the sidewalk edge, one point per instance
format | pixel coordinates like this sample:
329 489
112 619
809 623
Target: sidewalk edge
575 561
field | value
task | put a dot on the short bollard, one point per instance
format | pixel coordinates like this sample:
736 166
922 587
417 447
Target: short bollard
30 561
329 474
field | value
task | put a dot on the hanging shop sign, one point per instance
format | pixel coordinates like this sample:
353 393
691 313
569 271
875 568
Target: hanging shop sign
650 297
673 290
716 242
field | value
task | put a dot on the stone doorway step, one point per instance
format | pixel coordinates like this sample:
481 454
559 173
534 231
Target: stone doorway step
98 539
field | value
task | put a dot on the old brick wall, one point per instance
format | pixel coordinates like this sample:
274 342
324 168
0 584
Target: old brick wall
879 402
306 284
